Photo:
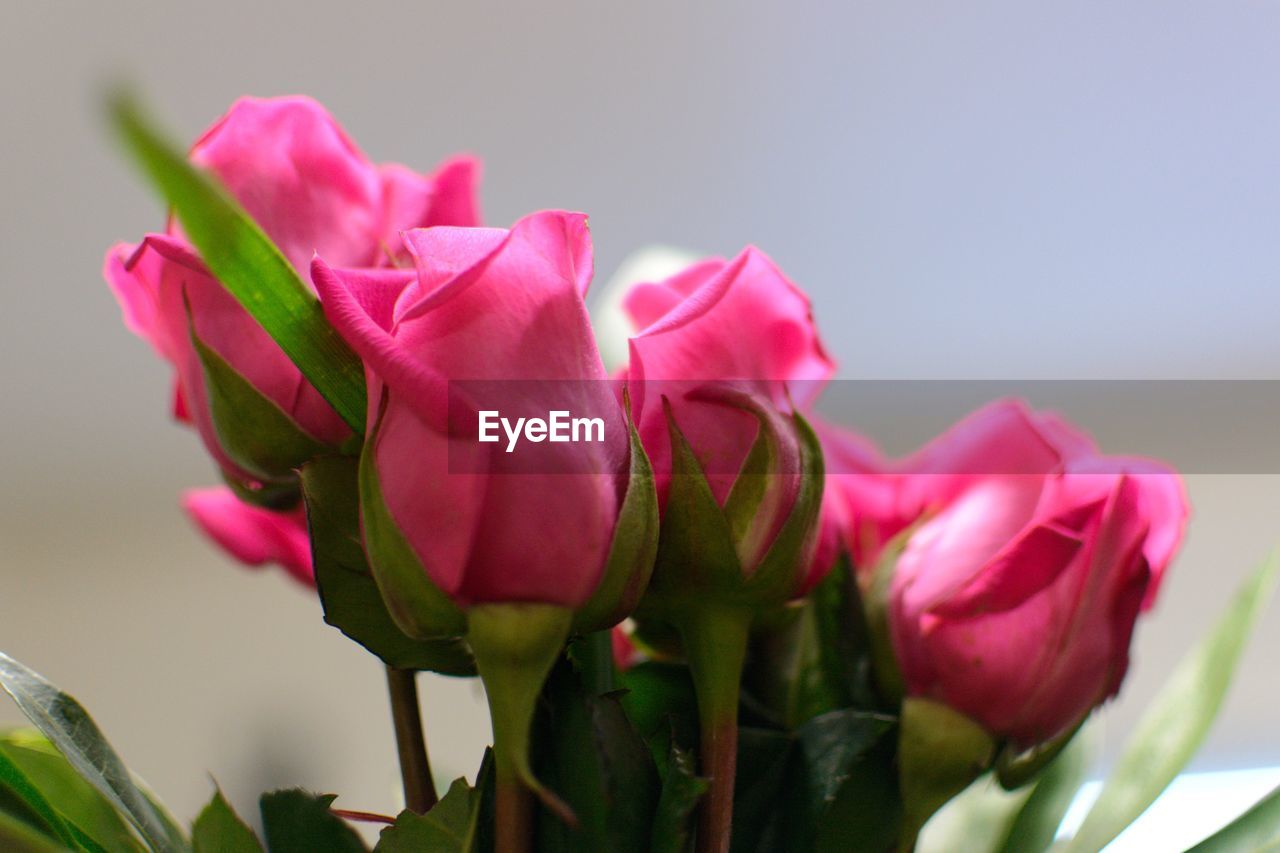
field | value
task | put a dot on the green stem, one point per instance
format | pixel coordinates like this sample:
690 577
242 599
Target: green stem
411 742
515 646
715 642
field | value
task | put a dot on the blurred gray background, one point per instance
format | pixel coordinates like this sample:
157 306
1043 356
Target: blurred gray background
976 190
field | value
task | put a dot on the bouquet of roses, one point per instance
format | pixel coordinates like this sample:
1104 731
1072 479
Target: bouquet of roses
704 618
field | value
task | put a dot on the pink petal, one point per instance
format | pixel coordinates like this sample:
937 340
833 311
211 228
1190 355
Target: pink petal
252 535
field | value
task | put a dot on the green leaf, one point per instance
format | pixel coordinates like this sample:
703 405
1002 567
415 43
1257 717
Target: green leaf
296 821
592 757
634 547
248 264
256 433
832 666
348 593
18 836
20 798
417 606
1037 822
1178 719
592 658
867 811
829 749
763 756
660 695
1256 829
70 728
682 788
218 829
450 826
78 802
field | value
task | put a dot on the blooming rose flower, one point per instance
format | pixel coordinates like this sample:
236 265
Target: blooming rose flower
487 305
732 348
311 190
1015 600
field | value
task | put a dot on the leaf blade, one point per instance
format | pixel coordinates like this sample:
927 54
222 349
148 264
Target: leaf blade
241 256
70 728
218 829
1179 717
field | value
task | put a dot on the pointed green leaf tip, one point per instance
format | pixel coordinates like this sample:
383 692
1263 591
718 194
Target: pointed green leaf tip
450 826
247 263
1176 722
70 728
218 829
297 821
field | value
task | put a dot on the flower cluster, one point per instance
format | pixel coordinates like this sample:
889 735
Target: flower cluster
998 571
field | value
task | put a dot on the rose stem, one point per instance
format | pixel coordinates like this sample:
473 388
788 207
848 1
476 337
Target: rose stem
715 642
411 743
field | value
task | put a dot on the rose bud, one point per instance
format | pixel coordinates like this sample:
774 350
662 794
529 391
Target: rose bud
311 190
724 355
253 535
461 535
1012 605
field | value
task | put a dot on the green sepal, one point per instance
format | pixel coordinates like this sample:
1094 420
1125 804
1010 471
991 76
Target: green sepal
252 430
416 604
1016 768
940 752
245 261
786 563
634 547
280 496
351 600
696 554
754 498
515 645
1035 825
875 601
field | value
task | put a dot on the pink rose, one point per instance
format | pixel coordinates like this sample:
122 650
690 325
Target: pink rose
311 190
253 535
739 324
487 305
1014 602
